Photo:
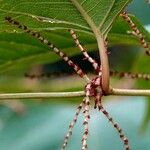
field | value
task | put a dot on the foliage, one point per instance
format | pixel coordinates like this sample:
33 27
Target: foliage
20 52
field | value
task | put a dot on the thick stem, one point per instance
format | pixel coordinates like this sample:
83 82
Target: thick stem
104 63
101 46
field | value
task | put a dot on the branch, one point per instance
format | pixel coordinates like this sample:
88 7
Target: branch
41 95
129 92
121 92
104 62
101 46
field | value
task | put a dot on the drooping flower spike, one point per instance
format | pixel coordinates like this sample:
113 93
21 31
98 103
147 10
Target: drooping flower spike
92 88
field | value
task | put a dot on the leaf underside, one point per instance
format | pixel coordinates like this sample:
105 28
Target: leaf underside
52 18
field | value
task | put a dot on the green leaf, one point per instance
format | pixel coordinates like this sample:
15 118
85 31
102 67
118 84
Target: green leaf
118 34
24 51
20 51
24 10
60 14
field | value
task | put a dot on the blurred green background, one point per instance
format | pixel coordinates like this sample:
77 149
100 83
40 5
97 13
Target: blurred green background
42 124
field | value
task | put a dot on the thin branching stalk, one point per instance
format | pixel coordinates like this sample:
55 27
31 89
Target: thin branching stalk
42 95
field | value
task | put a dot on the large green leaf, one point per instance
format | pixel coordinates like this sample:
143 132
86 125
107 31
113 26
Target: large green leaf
19 50
118 33
60 14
